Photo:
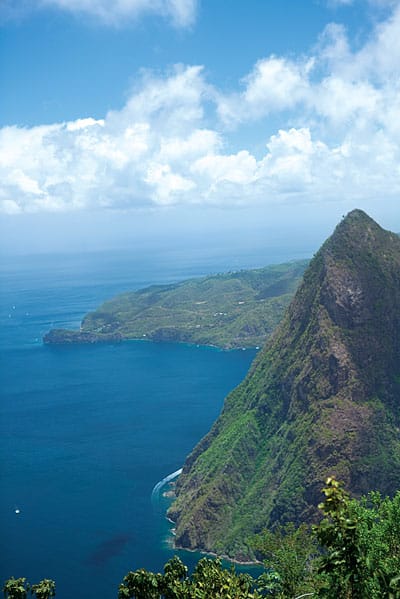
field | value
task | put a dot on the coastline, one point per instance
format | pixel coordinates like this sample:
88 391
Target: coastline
223 556
171 541
70 341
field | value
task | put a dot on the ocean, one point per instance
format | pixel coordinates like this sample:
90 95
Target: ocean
87 432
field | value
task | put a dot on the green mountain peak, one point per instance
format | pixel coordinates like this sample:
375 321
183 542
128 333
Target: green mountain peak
322 398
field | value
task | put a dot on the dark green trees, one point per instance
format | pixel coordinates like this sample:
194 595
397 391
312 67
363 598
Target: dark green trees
289 554
208 581
361 543
353 553
18 588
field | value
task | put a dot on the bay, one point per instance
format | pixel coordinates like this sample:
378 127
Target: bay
87 431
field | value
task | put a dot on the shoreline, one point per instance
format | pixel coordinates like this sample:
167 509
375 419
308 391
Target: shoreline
142 340
170 540
170 537
232 560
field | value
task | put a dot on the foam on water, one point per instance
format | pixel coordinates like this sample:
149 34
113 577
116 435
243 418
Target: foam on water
157 488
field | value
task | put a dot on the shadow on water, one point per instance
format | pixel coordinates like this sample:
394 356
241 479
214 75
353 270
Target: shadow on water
108 549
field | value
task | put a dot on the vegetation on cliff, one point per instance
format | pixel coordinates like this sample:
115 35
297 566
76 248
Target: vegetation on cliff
322 397
237 309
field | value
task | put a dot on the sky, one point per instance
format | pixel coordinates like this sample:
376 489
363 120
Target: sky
136 123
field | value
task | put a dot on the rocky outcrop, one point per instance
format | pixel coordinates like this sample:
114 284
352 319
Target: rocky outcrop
65 337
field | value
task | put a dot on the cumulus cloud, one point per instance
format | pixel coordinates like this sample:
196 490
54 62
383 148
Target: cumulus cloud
238 168
170 144
274 84
125 159
182 13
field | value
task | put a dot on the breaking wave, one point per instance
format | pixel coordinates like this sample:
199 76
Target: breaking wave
157 488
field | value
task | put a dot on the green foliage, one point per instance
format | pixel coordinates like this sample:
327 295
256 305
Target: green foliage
44 589
288 553
358 555
361 540
208 581
270 584
140 584
18 588
379 541
343 564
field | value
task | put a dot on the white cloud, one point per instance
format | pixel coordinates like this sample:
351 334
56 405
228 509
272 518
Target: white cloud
169 144
334 83
340 100
273 84
123 160
182 13
238 168
173 103
198 143
83 124
380 57
166 183
333 50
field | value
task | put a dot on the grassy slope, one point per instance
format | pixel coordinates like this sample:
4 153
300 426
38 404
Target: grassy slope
238 309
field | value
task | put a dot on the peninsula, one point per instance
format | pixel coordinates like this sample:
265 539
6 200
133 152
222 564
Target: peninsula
231 310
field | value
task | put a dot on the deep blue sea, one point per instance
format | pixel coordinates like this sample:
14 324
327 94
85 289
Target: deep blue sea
86 432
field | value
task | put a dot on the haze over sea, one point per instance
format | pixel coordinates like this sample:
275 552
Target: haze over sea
87 431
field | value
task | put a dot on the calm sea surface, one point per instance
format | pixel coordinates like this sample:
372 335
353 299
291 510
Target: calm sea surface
86 432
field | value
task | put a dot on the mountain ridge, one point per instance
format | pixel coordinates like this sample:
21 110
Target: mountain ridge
321 398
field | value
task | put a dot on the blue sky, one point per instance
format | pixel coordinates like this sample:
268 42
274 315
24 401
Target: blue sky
122 121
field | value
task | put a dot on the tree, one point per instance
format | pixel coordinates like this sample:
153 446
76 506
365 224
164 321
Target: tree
288 554
44 589
208 581
140 584
211 581
361 543
379 542
18 588
342 565
357 556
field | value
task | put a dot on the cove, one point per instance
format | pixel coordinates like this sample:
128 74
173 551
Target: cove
87 432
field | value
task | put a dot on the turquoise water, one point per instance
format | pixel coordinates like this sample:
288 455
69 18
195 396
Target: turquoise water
86 432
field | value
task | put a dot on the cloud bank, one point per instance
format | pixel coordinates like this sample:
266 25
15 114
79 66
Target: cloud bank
170 144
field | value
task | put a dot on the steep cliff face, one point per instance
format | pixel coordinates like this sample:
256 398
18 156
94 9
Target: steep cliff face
322 398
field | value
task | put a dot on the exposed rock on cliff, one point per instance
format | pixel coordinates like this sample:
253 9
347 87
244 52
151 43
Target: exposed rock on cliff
322 398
